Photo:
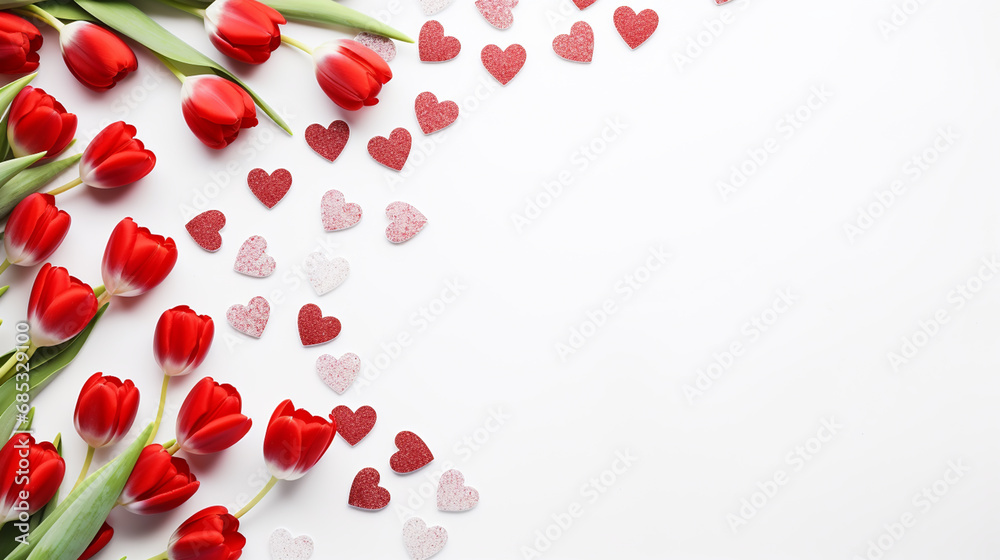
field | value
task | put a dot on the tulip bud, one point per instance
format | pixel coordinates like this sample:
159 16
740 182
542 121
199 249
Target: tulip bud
101 540
34 230
182 340
216 109
19 44
37 122
37 485
211 418
135 260
115 157
210 534
96 57
158 483
350 73
105 410
59 307
246 30
295 441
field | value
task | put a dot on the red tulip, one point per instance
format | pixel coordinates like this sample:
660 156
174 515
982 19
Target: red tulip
95 56
182 340
101 539
105 410
38 485
158 483
210 419
295 441
246 30
210 534
38 123
135 260
216 109
19 44
115 157
350 73
59 306
34 230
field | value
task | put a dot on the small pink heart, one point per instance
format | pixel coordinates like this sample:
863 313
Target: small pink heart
635 28
578 46
453 494
434 46
405 221
497 12
432 115
284 547
252 259
250 319
338 373
336 213
422 542
382 46
503 64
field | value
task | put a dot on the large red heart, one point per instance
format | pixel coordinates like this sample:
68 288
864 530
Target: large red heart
354 426
328 142
204 229
314 328
392 151
432 116
434 46
269 189
365 491
413 453
504 64
578 46
635 29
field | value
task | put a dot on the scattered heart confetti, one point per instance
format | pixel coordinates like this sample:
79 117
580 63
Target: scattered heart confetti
453 494
204 229
314 328
434 46
284 547
252 259
413 453
497 12
392 151
635 28
354 426
329 141
250 319
383 46
578 46
365 491
336 213
269 189
405 221
504 64
326 274
433 115
584 4
431 7
338 374
421 543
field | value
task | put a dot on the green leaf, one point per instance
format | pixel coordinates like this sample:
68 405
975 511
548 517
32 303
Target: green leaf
8 4
328 11
65 10
10 531
3 291
10 168
69 530
30 180
10 91
129 20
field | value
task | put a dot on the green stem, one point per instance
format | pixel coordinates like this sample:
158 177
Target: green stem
103 298
198 12
66 187
159 411
296 43
173 69
160 556
172 446
43 15
86 467
260 495
7 371
4 265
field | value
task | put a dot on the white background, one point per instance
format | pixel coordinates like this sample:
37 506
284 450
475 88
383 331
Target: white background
494 349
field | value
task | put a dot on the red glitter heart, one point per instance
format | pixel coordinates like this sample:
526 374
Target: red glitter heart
434 46
204 229
583 4
504 64
578 46
392 151
413 453
269 189
365 491
432 115
328 142
633 28
314 328
354 426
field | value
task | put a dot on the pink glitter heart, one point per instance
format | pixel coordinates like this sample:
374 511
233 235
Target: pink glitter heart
635 28
383 46
503 64
252 259
432 115
453 494
578 46
336 213
421 542
405 222
431 7
497 12
284 547
434 46
250 319
338 374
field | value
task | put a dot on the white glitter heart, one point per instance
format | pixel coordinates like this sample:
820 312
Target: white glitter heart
338 374
252 260
383 46
431 7
284 547
421 543
326 274
453 494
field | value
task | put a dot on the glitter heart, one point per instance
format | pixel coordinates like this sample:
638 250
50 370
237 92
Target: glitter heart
336 213
284 547
326 274
354 426
338 374
583 4
314 328
365 491
392 151
421 543
433 115
635 28
453 494
250 319
405 221
434 46
578 46
383 46
204 229
252 259
431 7
413 453
503 64
497 12
269 189
328 142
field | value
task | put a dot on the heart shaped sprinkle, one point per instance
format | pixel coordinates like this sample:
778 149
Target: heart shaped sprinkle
269 189
392 151
434 46
433 115
326 274
405 221
383 46
329 141
504 64
635 28
365 491
284 547
336 213
250 319
421 543
354 426
413 453
497 12
204 229
578 46
338 374
453 494
431 7
583 4
252 259
314 328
